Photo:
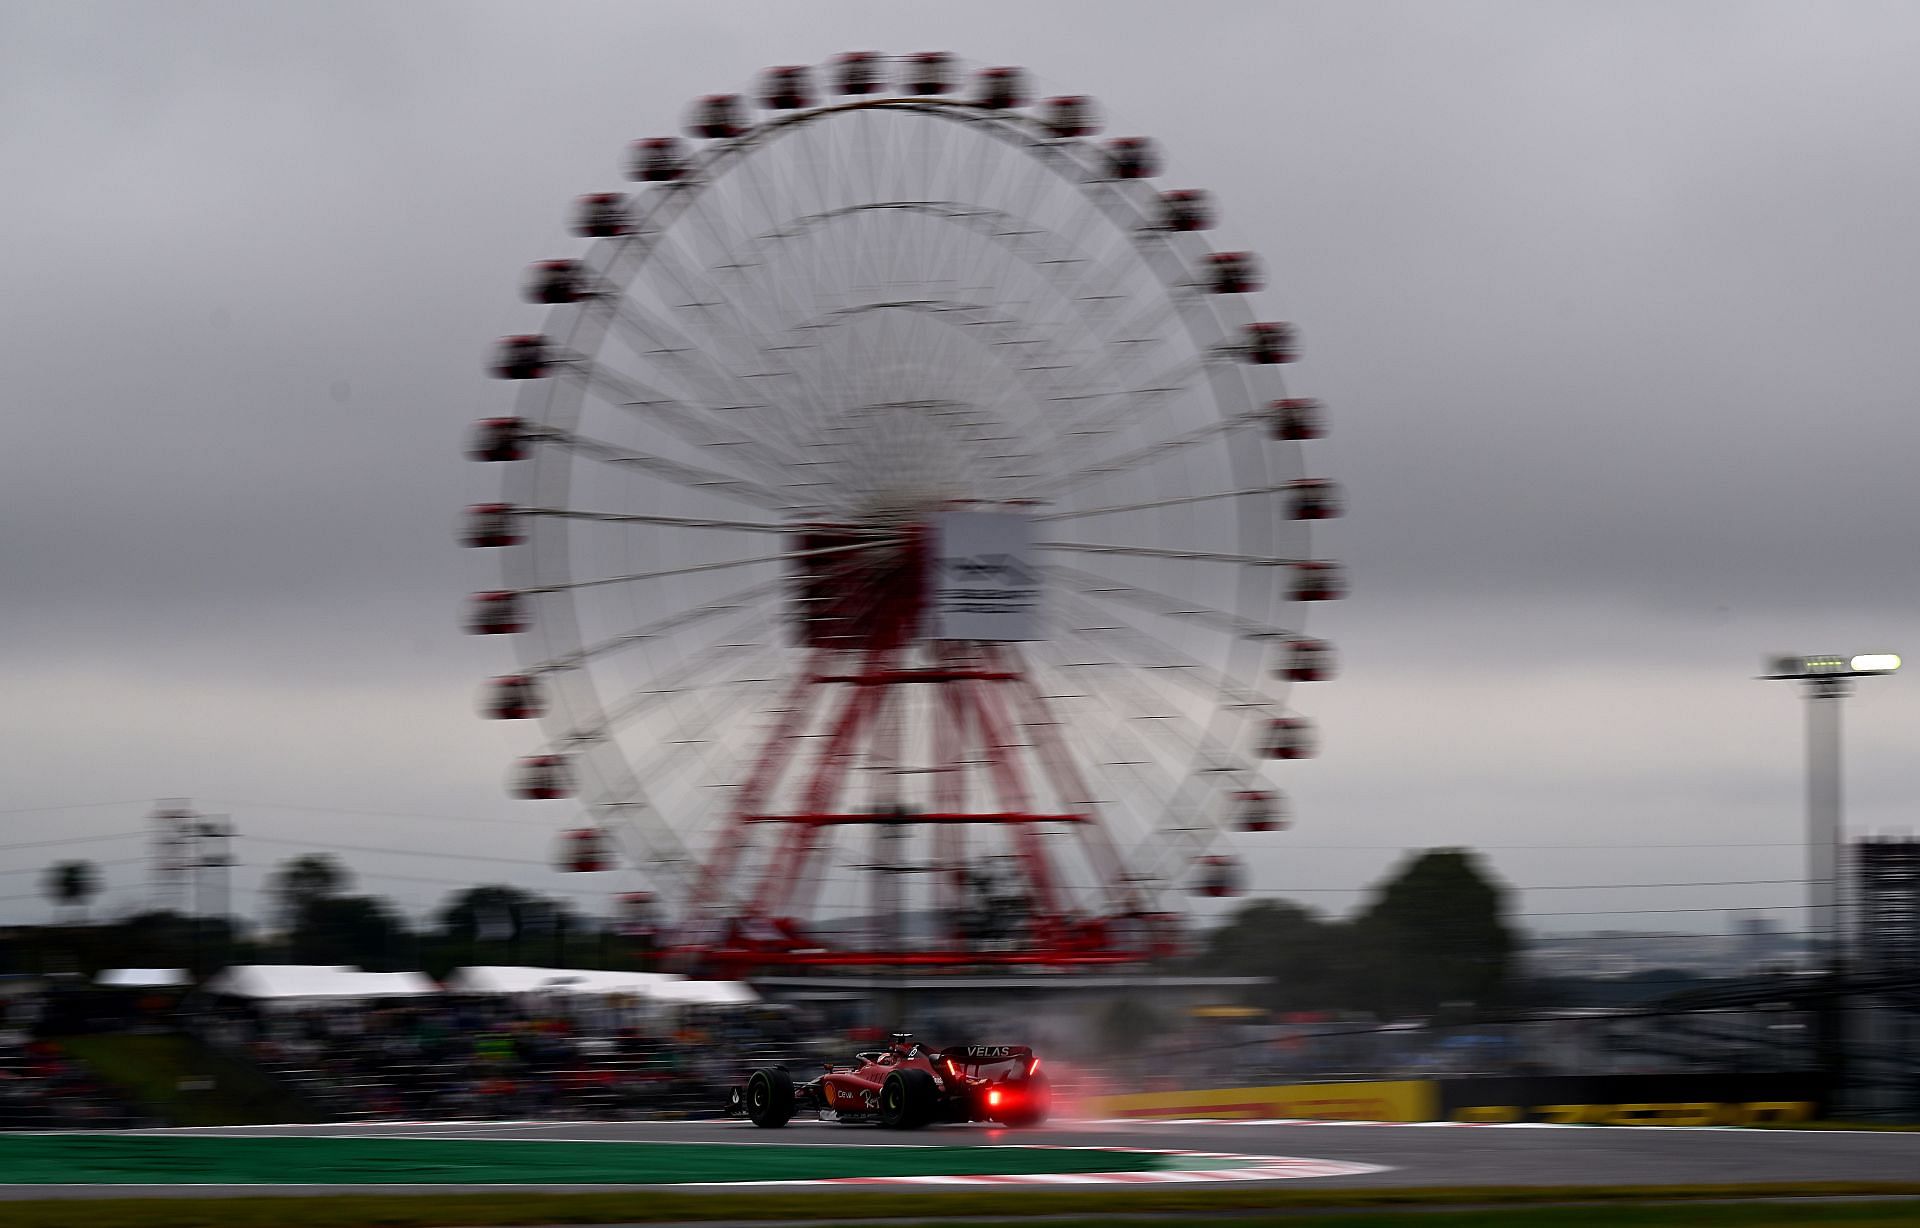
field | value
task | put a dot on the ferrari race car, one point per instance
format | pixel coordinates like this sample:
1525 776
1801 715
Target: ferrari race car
905 1086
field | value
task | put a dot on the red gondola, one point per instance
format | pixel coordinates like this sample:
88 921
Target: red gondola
1296 418
555 281
1318 580
582 851
1314 499
1234 273
1002 88
513 697
1070 115
786 88
1309 660
1256 810
1186 209
600 215
929 72
1219 876
490 525
859 72
717 117
496 614
1132 157
497 439
523 357
542 778
1271 343
1288 737
657 159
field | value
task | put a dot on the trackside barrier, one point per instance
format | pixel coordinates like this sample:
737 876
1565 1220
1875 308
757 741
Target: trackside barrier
1638 1100
1398 1100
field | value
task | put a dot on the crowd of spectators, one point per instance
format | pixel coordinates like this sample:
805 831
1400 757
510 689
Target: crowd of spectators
512 1057
41 1088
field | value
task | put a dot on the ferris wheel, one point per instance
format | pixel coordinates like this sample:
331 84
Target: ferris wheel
904 529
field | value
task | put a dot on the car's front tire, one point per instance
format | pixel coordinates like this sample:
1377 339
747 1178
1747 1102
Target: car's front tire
770 1098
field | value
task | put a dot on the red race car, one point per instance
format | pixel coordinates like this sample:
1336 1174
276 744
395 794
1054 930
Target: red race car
905 1086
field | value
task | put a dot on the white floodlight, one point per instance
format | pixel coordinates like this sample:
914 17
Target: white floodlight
1826 680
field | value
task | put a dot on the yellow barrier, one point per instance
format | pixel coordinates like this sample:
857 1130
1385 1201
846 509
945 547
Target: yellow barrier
1403 1100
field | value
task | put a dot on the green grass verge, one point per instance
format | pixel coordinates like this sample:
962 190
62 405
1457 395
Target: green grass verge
118 1159
1493 1204
182 1082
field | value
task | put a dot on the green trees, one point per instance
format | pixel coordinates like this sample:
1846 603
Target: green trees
70 884
1432 935
321 924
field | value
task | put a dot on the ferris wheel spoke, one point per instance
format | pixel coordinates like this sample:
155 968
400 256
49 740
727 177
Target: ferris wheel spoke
1156 552
649 405
1152 504
972 315
742 599
1200 683
690 679
1151 452
691 362
691 477
678 522
661 850
1103 588
639 577
1170 714
1107 737
1153 395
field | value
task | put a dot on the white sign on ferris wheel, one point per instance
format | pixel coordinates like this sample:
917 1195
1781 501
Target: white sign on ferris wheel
985 584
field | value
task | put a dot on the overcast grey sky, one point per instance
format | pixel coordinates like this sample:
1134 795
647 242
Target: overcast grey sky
1613 307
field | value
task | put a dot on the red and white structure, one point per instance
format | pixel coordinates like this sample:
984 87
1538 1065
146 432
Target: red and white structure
905 528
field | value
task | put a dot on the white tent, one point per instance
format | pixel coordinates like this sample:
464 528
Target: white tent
142 978
709 993
663 988
318 983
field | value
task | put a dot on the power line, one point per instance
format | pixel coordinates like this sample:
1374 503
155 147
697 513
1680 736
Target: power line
1730 882
66 840
363 848
116 861
229 804
1714 844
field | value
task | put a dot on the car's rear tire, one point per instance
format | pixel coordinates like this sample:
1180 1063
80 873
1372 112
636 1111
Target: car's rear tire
1033 1104
908 1099
770 1098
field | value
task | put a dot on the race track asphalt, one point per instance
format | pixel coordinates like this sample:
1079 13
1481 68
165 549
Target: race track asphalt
1411 1155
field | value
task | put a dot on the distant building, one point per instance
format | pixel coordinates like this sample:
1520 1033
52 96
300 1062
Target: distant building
1759 943
1887 904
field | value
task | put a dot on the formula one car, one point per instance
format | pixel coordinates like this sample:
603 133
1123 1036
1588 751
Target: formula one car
905 1086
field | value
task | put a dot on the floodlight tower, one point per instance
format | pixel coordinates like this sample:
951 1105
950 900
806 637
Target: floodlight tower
1827 680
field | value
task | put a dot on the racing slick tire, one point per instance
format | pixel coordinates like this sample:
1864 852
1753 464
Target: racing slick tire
770 1098
908 1099
1034 1104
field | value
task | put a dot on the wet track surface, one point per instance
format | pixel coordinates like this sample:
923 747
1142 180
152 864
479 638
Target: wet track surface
1409 1155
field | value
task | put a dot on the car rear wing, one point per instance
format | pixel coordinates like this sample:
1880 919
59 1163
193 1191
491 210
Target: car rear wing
987 1055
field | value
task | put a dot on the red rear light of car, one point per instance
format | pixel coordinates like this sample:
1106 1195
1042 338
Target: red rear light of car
993 1098
1033 1067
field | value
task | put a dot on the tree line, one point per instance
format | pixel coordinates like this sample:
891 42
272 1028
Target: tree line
1434 936
318 918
